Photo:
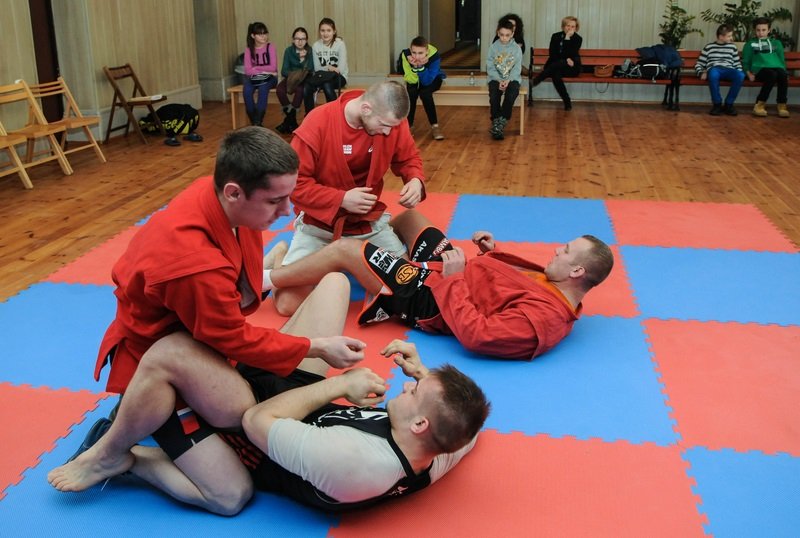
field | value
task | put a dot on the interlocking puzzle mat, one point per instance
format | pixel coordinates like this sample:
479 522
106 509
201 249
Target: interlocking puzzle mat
671 409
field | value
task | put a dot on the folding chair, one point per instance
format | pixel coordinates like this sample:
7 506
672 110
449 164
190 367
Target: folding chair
7 143
138 98
36 128
73 119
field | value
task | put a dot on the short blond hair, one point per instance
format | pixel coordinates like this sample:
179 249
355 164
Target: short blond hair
568 18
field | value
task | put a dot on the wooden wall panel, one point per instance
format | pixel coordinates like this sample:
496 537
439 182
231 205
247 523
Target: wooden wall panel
17 59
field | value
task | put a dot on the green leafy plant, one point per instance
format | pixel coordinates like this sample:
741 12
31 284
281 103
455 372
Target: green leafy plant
677 25
741 16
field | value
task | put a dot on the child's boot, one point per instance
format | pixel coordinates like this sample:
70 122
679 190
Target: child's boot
285 126
291 119
760 109
783 110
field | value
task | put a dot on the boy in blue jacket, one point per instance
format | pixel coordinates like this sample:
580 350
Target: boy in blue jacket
421 68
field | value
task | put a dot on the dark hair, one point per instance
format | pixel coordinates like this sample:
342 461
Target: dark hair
254 28
329 22
419 41
762 20
597 262
388 96
460 412
505 24
724 29
250 156
299 29
519 29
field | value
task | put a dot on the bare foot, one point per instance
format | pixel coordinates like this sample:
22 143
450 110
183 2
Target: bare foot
87 470
274 258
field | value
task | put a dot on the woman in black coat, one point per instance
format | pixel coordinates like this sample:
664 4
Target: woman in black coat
564 60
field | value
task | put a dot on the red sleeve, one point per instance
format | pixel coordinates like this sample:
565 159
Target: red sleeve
406 161
507 334
315 199
207 304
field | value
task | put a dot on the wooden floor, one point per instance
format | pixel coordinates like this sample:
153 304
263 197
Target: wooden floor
598 150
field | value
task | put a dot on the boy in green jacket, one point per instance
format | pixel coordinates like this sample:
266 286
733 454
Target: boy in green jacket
762 60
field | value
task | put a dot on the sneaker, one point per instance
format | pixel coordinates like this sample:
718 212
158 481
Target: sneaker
729 110
436 132
783 110
716 110
759 109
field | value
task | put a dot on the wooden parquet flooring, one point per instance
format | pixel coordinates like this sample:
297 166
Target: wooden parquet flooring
599 150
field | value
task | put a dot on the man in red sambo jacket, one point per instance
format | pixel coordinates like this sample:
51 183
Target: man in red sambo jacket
496 304
197 267
345 148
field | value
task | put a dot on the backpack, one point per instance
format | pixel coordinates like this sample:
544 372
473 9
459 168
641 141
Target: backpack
177 120
651 68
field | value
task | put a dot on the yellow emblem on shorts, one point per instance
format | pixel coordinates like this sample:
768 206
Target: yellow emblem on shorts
406 274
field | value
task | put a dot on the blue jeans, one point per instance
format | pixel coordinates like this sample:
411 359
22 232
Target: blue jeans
715 74
263 91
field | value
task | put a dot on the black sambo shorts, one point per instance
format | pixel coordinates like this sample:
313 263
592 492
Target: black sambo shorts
407 296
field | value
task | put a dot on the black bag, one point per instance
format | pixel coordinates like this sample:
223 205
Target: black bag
176 119
651 68
322 77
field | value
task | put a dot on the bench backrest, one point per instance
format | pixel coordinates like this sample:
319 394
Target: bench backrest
592 57
589 57
690 59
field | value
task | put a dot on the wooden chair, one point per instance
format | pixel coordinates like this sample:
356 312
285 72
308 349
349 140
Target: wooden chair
36 128
138 98
8 143
73 119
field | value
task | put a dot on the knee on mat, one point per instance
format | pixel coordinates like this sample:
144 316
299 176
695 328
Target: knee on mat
231 498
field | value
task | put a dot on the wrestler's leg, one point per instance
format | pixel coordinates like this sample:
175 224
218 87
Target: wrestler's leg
207 383
323 313
341 255
208 475
408 224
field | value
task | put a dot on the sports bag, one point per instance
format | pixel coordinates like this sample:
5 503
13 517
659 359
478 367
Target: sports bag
177 119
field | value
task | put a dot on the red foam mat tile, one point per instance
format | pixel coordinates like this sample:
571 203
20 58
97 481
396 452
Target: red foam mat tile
438 207
94 267
695 225
31 420
513 485
730 385
613 297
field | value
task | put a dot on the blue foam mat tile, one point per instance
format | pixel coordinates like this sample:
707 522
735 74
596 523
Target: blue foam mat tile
747 494
129 507
598 382
51 333
528 219
714 285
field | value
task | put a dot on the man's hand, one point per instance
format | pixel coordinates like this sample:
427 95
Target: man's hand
750 76
338 351
411 193
484 240
704 75
359 200
363 387
406 357
454 262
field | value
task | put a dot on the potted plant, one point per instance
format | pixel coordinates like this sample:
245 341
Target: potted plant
677 25
741 16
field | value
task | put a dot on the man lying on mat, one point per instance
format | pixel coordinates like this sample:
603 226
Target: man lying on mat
296 442
197 267
496 304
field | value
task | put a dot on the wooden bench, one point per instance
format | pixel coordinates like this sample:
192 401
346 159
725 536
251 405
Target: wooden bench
690 78
591 58
454 95
478 95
